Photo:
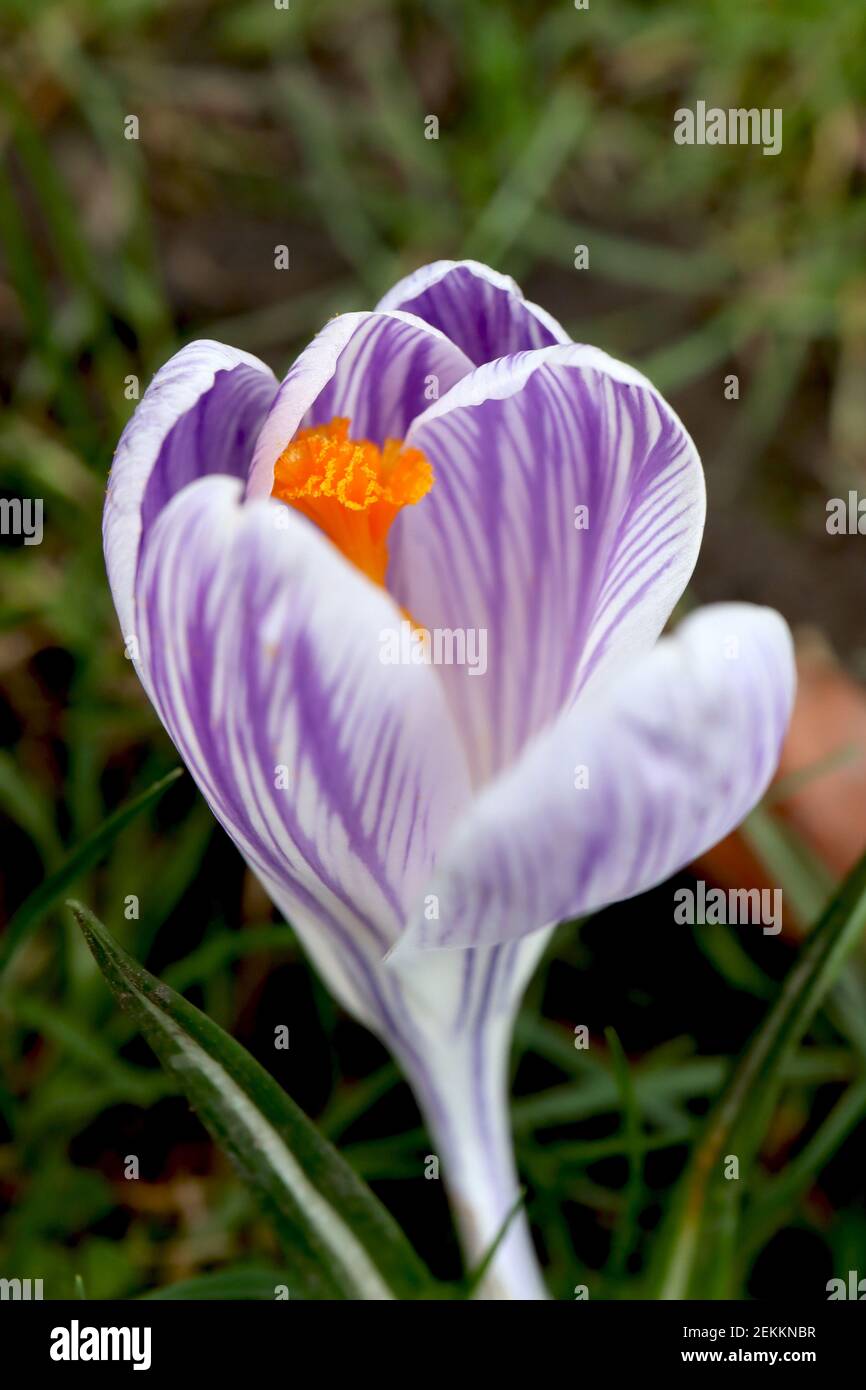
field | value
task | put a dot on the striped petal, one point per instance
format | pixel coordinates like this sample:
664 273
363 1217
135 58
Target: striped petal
380 370
481 311
201 414
336 775
638 778
498 548
261 647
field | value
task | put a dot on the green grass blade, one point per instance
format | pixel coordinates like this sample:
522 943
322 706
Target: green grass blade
781 1196
89 852
789 862
627 1228
339 1241
739 1120
475 1276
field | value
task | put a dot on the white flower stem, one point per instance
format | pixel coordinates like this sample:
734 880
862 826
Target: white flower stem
463 1095
447 1018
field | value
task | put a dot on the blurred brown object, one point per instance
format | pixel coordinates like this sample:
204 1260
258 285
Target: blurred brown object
828 729
824 762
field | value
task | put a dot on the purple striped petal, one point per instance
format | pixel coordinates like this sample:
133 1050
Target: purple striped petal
261 649
638 778
380 370
481 311
201 414
261 652
494 549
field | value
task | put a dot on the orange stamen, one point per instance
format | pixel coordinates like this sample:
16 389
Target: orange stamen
351 488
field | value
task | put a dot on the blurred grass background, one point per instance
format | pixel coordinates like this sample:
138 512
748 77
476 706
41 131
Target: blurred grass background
305 127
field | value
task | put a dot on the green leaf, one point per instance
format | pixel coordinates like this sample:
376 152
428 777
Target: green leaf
806 883
700 1215
89 852
780 1197
339 1240
626 1233
790 863
663 1090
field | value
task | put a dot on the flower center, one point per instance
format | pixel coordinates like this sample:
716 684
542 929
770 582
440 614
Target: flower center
351 488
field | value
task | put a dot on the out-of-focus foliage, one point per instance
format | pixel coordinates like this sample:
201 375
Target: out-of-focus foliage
305 127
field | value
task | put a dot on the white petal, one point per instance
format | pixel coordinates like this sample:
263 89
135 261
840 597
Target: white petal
379 370
494 550
200 414
336 775
637 779
481 311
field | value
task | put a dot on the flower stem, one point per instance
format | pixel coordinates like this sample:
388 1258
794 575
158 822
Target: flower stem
463 1095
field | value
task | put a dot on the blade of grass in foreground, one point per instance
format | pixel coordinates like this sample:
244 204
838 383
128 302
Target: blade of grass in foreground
339 1241
738 1122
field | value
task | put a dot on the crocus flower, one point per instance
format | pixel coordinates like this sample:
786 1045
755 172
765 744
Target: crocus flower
448 464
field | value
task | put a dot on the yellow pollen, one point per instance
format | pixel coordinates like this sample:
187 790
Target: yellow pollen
351 488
